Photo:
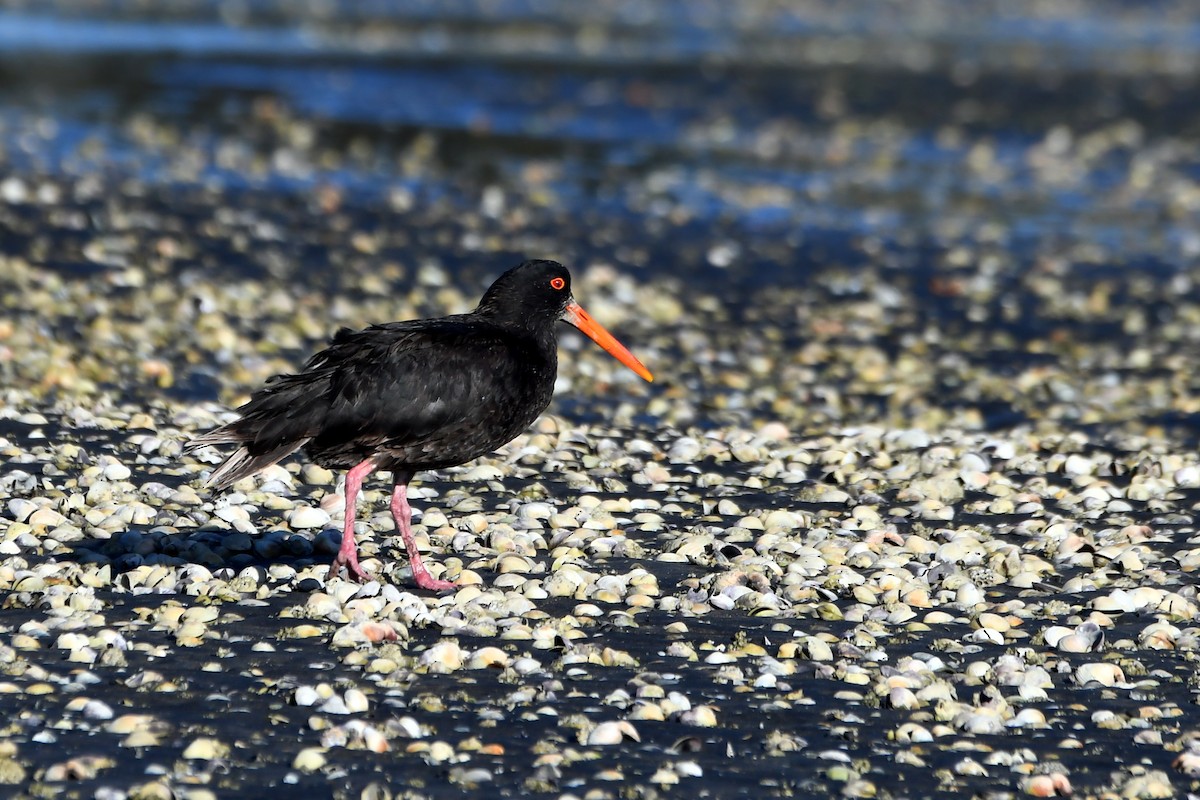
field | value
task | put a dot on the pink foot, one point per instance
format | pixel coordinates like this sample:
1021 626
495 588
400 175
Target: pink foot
352 568
347 554
402 515
426 581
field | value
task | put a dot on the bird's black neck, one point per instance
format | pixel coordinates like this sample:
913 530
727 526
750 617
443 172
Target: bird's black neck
536 326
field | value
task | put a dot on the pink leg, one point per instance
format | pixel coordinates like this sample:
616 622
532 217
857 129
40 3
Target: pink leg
347 555
403 516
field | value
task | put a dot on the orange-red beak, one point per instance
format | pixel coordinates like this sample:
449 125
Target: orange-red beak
595 331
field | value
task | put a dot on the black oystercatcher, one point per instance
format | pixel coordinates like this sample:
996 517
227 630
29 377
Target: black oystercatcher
408 396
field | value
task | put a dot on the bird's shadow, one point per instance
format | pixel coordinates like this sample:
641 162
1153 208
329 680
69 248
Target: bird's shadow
226 552
223 553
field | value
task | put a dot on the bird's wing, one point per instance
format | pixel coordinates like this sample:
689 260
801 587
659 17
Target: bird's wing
397 384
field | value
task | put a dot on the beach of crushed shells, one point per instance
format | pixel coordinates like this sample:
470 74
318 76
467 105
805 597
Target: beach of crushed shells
901 516
828 608
848 610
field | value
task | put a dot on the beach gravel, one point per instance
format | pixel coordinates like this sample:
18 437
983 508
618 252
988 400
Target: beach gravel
909 510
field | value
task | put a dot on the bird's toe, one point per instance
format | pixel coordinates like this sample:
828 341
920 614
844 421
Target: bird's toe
353 570
427 581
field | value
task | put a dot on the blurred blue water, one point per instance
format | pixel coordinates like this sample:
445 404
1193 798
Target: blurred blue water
773 117
23 33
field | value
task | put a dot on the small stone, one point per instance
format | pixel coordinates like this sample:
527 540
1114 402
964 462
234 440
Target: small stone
306 517
310 759
97 711
356 701
1101 672
609 733
206 749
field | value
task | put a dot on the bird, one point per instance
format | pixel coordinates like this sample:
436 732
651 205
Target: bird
411 396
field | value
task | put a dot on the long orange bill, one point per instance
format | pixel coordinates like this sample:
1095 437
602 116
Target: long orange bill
595 331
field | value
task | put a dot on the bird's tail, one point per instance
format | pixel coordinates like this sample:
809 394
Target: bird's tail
241 463
272 426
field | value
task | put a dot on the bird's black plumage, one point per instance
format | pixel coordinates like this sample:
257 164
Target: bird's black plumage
409 396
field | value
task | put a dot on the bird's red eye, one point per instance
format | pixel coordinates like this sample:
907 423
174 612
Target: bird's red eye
558 283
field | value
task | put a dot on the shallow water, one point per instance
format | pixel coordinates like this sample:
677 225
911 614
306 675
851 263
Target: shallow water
774 121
